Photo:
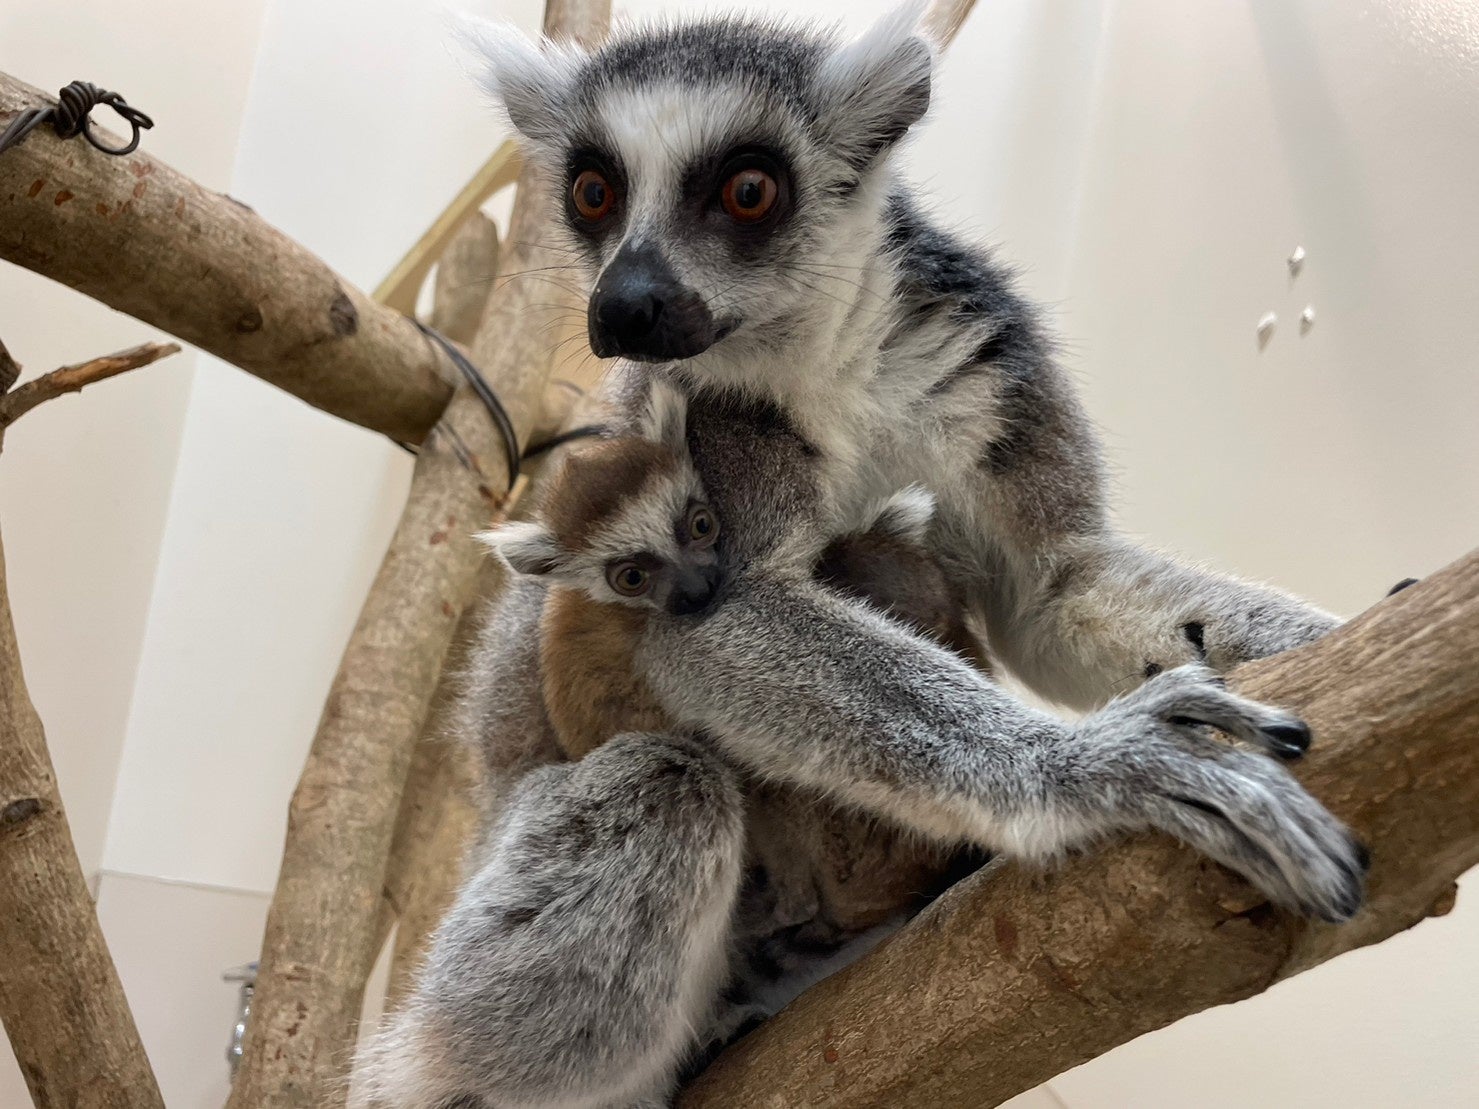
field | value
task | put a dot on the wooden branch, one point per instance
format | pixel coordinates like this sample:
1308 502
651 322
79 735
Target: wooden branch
1015 977
944 19
322 929
438 816
60 998
400 289
71 379
464 279
148 241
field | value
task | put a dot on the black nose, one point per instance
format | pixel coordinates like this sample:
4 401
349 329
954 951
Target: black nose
694 592
628 315
639 309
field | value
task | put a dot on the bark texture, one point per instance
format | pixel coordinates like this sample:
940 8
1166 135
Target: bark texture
146 240
60 999
464 278
1015 976
324 927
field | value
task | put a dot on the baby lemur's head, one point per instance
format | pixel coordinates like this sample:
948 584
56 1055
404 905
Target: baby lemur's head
718 176
626 521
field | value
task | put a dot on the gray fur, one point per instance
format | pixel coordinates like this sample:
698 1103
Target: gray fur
863 349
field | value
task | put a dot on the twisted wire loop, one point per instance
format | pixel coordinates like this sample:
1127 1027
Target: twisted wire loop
69 118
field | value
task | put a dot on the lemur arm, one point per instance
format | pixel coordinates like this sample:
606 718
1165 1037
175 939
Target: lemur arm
800 684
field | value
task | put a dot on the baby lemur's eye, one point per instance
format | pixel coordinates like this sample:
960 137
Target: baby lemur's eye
703 527
592 196
628 579
749 195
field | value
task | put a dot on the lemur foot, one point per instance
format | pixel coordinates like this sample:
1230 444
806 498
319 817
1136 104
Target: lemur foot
1243 810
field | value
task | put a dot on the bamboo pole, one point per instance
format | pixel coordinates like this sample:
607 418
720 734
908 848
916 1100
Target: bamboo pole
60 999
323 927
1016 976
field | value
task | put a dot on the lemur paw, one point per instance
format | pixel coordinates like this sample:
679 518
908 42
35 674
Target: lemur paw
1241 809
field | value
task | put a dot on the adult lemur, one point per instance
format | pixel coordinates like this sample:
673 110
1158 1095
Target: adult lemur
730 186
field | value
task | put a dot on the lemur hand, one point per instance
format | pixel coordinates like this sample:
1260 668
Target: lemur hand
1239 807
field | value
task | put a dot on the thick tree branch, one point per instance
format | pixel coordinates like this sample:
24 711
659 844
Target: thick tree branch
1014 976
71 379
146 240
60 998
323 929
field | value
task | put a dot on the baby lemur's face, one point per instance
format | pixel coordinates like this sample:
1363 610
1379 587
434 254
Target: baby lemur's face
627 521
715 177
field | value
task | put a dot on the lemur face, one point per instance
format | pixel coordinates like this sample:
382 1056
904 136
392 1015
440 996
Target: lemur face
626 520
708 172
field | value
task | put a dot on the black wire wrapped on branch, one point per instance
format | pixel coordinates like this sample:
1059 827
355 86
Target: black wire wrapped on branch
68 118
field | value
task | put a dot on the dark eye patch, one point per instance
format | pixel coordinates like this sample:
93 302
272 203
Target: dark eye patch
703 183
588 156
645 560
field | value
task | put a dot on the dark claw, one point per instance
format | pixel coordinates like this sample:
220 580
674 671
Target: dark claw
1363 855
1401 585
1196 635
1289 741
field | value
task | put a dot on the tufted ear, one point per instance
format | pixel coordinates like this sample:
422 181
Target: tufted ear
907 514
526 548
531 80
665 420
872 90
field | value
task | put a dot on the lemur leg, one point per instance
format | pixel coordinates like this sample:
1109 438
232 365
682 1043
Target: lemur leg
1076 610
803 685
1099 615
583 958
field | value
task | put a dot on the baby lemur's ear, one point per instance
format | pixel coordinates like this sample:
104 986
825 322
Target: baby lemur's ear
872 90
907 514
530 80
665 420
527 548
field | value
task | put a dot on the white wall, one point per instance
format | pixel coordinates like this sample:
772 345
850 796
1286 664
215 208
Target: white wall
1149 163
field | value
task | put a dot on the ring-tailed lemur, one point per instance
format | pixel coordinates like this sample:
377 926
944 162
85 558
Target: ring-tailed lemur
731 186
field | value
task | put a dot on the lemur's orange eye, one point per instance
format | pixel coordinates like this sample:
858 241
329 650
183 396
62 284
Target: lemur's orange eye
703 528
592 196
628 579
749 195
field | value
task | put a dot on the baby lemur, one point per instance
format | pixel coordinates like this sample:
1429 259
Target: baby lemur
625 530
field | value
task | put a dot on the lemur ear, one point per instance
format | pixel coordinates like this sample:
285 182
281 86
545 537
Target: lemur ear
527 548
907 514
666 418
529 79
875 88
